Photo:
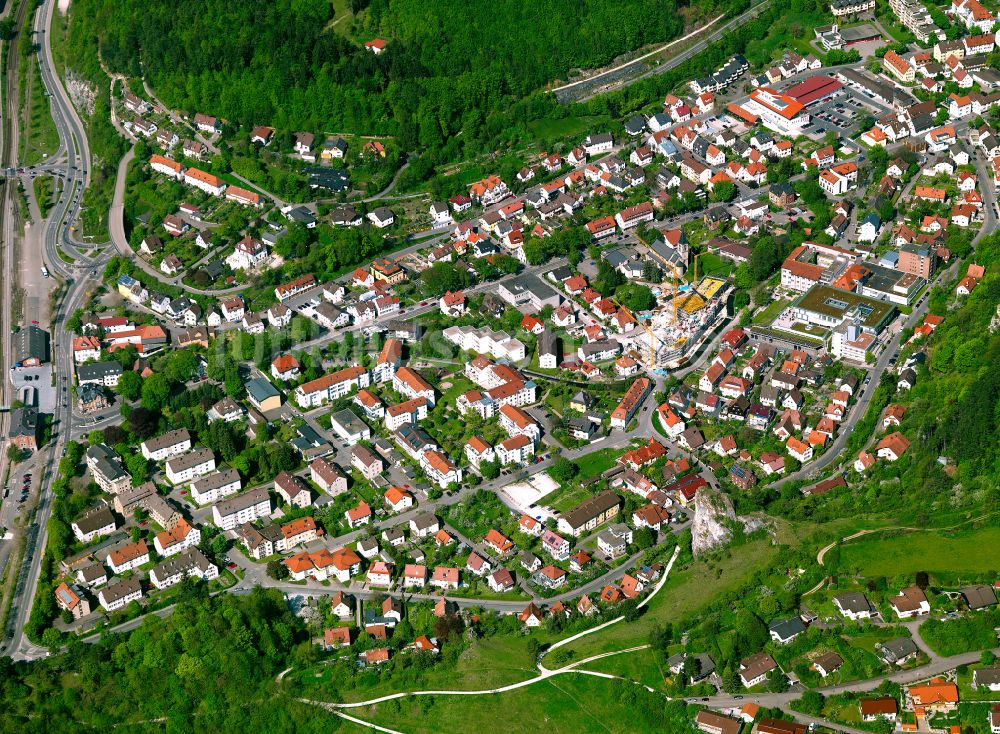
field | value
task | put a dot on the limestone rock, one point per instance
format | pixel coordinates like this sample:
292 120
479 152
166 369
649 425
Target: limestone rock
714 518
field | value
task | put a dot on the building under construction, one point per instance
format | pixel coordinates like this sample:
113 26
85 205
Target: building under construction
681 317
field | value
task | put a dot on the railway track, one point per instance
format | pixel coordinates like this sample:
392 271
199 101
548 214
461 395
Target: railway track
9 221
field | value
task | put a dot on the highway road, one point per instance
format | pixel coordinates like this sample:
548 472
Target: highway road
73 164
631 72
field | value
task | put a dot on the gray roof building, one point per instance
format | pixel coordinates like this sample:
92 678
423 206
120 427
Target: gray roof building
979 596
24 422
785 630
896 650
94 520
31 346
98 372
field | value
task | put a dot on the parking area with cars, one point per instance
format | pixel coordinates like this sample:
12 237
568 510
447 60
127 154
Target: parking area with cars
841 113
36 382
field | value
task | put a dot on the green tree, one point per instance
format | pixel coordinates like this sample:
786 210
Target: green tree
138 467
181 365
532 649
563 470
608 279
643 538
723 191
489 469
636 297
691 666
155 391
277 570
442 277
777 682
811 702
130 385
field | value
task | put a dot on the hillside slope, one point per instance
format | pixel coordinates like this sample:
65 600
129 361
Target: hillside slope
445 69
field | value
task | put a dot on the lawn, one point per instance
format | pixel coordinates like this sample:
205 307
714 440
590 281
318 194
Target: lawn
567 704
459 385
711 264
597 462
489 663
961 553
867 640
686 591
770 313
567 127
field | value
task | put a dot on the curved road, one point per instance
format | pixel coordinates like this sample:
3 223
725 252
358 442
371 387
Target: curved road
116 227
74 142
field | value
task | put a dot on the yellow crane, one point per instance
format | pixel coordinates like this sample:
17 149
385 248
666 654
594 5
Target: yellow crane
649 331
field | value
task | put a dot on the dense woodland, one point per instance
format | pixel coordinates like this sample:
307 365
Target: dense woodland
447 71
209 667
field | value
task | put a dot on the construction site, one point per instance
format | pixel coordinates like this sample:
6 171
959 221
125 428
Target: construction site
664 336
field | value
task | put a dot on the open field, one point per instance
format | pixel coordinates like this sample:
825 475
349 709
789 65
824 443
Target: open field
567 704
597 462
640 666
686 591
567 127
565 499
489 663
923 551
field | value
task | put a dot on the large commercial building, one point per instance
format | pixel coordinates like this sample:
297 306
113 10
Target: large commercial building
779 112
814 89
850 321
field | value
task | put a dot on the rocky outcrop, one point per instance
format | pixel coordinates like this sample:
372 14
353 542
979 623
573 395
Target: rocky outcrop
714 520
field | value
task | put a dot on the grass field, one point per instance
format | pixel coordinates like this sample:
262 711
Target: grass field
489 663
597 462
686 591
567 127
640 666
770 313
923 551
342 15
567 704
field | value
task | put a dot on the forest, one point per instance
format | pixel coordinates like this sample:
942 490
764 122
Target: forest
443 73
208 667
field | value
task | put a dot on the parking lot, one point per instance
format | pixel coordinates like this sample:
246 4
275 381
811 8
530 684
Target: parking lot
36 383
840 113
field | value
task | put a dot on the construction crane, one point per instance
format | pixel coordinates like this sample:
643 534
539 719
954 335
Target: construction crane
649 330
